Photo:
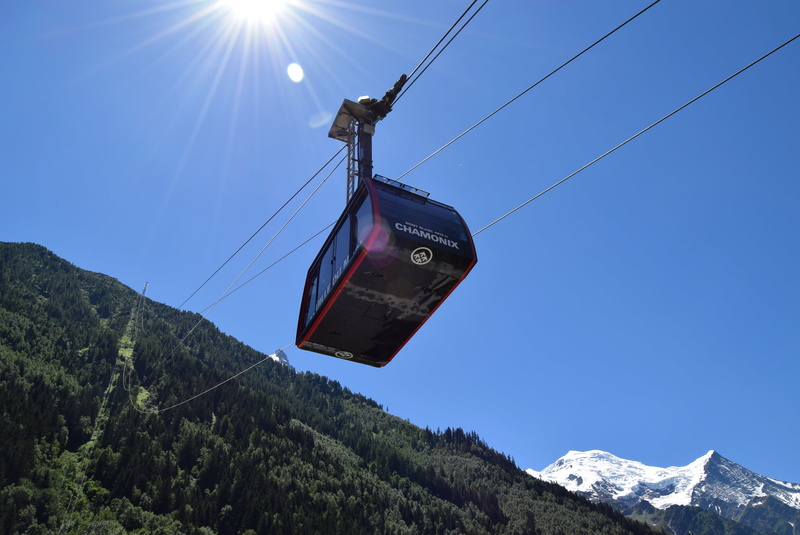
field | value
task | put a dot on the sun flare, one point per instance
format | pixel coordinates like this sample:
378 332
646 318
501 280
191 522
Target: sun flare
255 11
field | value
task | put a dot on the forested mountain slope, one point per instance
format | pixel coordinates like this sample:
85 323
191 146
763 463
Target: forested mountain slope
273 452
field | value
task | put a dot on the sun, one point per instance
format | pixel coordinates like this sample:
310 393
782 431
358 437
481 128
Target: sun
255 11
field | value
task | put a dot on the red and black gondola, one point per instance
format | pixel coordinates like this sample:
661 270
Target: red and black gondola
390 261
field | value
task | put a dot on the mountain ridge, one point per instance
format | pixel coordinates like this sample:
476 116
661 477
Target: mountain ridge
711 482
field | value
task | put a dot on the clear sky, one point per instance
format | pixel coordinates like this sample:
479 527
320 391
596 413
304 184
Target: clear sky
649 306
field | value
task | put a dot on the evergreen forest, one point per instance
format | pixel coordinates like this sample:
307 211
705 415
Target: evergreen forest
85 362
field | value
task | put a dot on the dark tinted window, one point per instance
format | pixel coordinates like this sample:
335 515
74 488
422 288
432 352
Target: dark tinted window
341 247
422 213
363 223
312 300
325 275
337 253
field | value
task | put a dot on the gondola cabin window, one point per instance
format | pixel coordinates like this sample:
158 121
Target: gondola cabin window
338 250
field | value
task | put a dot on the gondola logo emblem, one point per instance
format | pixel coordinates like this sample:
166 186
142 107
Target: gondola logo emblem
344 354
421 256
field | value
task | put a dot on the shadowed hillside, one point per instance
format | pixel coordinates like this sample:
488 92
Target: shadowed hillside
83 364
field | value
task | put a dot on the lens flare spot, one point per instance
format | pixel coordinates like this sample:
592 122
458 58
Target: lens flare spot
319 119
295 73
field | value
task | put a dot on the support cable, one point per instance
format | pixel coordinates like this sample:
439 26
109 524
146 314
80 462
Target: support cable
296 193
204 392
228 290
573 58
251 279
410 76
695 99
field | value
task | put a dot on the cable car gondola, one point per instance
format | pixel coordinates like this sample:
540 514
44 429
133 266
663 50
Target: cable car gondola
393 257
390 261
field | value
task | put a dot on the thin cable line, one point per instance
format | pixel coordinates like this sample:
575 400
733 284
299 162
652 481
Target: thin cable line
203 393
411 75
251 279
695 99
228 290
411 82
262 227
576 56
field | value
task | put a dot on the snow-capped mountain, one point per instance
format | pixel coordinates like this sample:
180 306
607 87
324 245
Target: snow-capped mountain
280 357
711 482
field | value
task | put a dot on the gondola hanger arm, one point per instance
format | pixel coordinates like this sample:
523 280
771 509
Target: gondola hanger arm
381 108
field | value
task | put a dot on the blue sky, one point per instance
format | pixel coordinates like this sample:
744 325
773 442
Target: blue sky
647 307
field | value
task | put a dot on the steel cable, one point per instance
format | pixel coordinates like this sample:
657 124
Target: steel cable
573 58
667 116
